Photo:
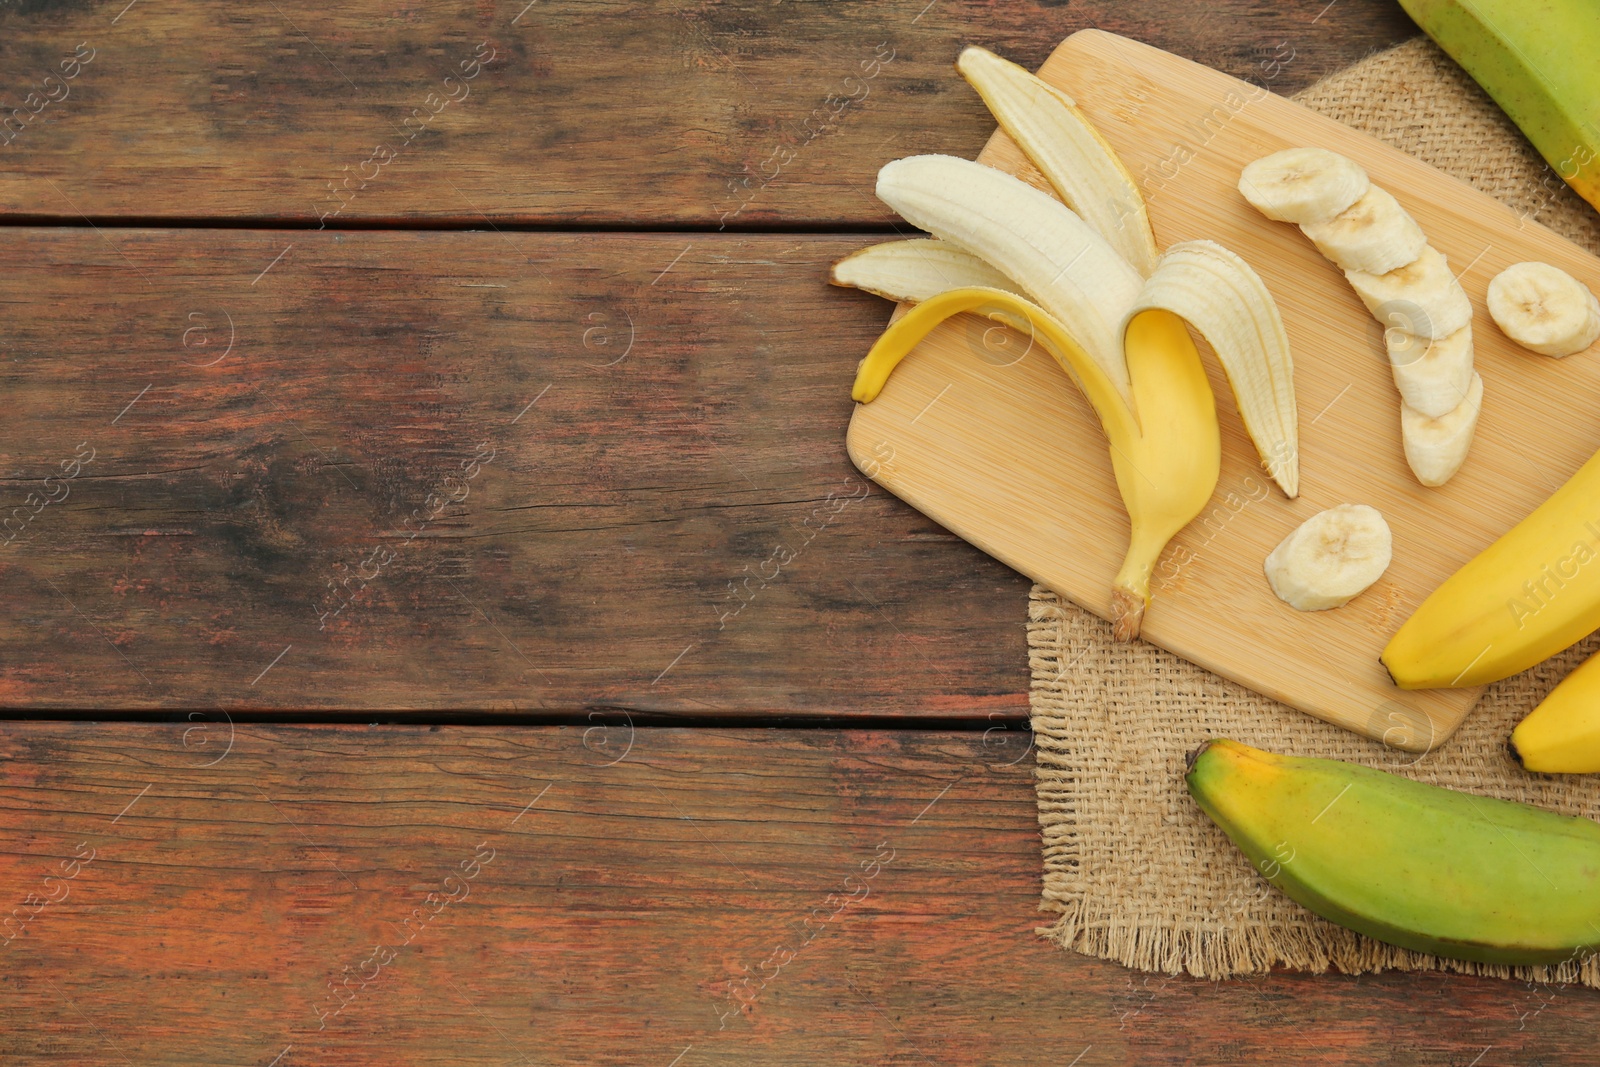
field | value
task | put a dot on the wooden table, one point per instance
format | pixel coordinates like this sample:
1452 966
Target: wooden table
405 403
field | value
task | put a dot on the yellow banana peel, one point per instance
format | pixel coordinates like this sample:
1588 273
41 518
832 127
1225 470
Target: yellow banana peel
1166 448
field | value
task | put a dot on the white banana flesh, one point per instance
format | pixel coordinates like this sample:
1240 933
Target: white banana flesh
1436 447
1331 558
1422 297
1433 377
1219 295
1303 185
1405 283
914 270
1374 235
1084 170
1544 309
1028 236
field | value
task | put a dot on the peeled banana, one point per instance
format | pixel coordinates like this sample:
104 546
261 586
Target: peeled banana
1517 603
1218 294
1428 869
1084 170
1166 449
915 270
1544 309
1331 558
1028 236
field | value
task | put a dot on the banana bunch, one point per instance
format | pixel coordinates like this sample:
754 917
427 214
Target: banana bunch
1403 281
1081 273
1425 868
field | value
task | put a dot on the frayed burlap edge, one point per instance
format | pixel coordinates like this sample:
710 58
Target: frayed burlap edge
1137 875
1134 873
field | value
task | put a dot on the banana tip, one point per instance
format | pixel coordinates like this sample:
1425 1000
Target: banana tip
1511 750
1195 754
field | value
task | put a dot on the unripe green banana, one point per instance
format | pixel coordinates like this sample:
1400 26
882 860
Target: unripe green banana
1537 62
1427 869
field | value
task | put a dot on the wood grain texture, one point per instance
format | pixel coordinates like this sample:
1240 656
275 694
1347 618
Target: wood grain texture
645 434
606 903
1056 514
608 112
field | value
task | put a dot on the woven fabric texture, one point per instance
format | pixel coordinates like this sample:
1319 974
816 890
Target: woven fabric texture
1134 872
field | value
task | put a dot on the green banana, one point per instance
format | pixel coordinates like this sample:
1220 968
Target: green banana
1537 62
1417 866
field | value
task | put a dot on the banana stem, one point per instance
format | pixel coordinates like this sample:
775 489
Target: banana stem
1127 613
1130 590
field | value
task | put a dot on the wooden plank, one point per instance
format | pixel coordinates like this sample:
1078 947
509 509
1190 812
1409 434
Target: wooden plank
645 434
618 113
515 896
1056 515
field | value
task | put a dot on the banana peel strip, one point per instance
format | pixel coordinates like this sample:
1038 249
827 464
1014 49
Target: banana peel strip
1083 168
905 333
1218 294
1165 476
913 270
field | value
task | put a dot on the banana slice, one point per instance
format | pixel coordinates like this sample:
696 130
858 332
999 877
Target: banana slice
1303 185
1374 235
1544 309
1027 235
1433 377
1331 558
1422 297
914 270
1436 448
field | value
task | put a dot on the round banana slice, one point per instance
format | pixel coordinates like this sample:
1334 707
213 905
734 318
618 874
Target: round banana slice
1375 234
1544 309
1422 297
1436 448
1303 185
1331 558
1433 377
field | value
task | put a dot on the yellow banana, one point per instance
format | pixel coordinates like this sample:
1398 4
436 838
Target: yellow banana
1526 597
1425 868
1562 734
1166 450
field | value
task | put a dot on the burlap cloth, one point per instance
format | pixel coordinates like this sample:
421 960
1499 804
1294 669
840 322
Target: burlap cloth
1134 871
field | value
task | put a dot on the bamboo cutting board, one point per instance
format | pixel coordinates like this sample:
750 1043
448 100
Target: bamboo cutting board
994 442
